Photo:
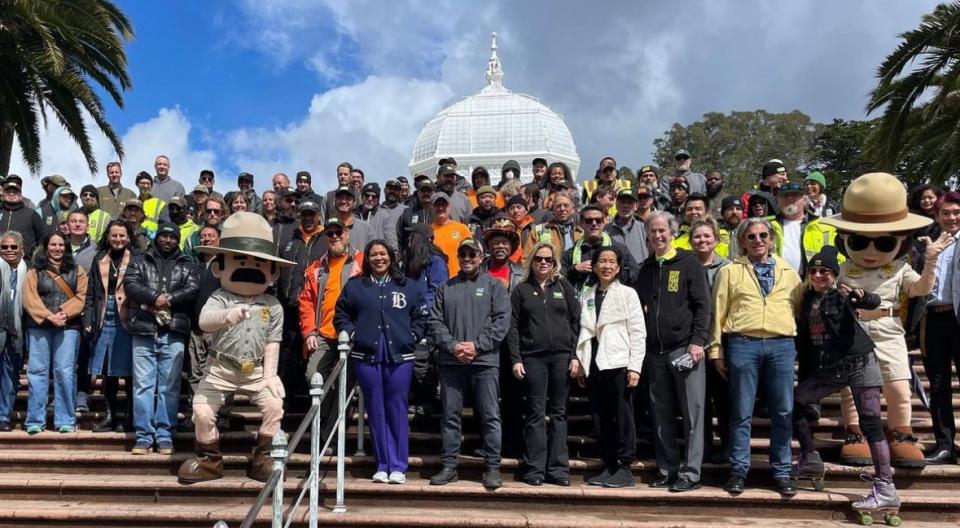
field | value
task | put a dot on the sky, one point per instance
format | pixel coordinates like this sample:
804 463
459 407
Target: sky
268 86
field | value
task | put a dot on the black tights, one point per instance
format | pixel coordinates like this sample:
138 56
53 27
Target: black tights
867 400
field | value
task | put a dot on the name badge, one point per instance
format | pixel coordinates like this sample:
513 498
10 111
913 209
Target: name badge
558 295
479 292
265 314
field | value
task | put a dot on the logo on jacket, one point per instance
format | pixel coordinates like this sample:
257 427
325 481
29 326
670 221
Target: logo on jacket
673 281
399 300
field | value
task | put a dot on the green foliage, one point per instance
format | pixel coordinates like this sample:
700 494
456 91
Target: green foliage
627 174
920 124
739 143
52 55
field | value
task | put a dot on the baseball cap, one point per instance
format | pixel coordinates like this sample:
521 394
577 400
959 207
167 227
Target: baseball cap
55 179
288 192
608 168
643 190
304 176
627 193
772 167
730 201
8 184
344 189
517 199
309 205
393 183
201 189
471 243
208 172
178 201
426 184
538 160
447 168
245 176
67 190
791 188
166 228
645 169
135 202
371 188
682 153
401 179
440 196
608 161
335 222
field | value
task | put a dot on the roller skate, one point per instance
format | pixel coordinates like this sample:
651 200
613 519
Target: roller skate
882 500
809 467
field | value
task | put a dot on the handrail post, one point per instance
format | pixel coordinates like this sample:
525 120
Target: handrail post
344 348
279 455
221 524
361 425
316 394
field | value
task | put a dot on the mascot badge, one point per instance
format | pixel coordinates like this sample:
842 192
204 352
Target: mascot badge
874 232
245 327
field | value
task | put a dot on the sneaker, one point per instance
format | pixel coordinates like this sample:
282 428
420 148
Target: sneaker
82 402
142 447
34 429
380 476
5 426
600 479
623 478
66 429
165 447
396 477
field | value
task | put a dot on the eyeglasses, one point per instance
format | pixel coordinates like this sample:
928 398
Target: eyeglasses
334 233
216 211
883 244
9 247
591 221
752 237
467 254
819 271
544 260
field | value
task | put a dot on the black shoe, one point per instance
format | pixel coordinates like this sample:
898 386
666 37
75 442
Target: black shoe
446 476
786 487
600 479
532 481
562 481
492 480
684 484
663 482
623 478
941 457
734 485
5 427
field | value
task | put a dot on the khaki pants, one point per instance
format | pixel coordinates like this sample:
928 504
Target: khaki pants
219 382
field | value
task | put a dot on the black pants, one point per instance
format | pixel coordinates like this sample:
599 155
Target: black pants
941 346
717 405
425 379
612 401
511 408
546 386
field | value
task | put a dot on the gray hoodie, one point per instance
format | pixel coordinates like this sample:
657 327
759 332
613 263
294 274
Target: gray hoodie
473 309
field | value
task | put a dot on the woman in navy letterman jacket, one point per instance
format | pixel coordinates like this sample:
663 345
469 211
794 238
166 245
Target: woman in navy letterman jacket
386 315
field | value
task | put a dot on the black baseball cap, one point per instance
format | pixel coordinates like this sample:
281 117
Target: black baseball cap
245 176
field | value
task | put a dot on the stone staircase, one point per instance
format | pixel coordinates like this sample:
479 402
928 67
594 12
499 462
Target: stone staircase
90 479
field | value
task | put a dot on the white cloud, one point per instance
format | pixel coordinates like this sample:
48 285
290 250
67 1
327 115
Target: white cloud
167 133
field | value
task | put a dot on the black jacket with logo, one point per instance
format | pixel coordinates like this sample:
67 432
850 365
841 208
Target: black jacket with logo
676 302
543 321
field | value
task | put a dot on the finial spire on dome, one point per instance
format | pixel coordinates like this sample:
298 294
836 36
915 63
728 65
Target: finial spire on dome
494 71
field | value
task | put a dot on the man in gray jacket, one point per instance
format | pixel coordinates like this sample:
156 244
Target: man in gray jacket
384 222
470 317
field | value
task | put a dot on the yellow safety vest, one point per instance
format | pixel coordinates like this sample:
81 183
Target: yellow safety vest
97 225
186 233
815 236
152 208
682 241
590 187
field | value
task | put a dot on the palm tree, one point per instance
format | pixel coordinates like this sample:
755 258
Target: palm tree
921 108
53 54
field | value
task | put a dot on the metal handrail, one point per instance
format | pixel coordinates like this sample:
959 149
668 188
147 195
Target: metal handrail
282 448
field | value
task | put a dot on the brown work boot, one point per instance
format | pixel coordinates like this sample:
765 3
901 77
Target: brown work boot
207 465
904 450
262 465
856 451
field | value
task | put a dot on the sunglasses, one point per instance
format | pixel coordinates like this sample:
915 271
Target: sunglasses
754 236
467 254
9 247
544 260
211 210
883 244
88 195
819 271
591 221
336 233
206 178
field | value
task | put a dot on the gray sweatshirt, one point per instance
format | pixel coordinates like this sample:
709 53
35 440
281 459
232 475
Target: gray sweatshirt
472 309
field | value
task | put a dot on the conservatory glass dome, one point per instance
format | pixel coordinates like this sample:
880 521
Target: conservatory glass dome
494 126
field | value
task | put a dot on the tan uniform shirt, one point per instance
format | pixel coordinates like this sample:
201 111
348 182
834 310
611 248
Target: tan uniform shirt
245 341
887 332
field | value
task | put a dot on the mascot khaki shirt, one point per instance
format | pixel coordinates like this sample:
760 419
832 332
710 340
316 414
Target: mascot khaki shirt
244 342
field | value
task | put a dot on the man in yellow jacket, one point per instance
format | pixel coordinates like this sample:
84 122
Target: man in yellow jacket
154 209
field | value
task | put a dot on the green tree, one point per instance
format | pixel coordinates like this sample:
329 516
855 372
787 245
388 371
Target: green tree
921 107
739 143
627 174
53 54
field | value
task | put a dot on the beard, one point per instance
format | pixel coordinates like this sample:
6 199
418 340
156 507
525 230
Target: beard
790 209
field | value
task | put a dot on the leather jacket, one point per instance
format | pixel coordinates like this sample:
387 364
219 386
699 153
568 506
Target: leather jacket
149 275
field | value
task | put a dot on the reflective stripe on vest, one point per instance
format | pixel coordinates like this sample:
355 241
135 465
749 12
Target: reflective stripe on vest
97 224
577 247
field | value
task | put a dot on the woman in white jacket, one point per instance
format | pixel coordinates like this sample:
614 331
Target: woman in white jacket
610 352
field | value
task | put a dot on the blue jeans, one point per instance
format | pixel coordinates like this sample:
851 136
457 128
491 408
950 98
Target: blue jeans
750 363
54 348
157 361
10 363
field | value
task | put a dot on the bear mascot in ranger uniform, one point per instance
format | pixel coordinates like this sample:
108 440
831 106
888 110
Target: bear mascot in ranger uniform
874 232
245 326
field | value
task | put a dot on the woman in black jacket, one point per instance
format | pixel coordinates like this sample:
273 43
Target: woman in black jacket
837 352
104 315
542 338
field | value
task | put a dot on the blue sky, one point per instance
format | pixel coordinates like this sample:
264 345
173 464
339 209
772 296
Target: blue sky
285 85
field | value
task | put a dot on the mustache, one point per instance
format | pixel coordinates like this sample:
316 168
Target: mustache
249 275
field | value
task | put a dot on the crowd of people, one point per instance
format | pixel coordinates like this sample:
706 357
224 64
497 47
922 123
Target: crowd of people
674 301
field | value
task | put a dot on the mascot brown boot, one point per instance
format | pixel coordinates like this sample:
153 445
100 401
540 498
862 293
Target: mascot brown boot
856 451
207 465
904 451
262 465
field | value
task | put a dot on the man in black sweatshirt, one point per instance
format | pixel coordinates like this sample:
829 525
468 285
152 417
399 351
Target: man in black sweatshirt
672 286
